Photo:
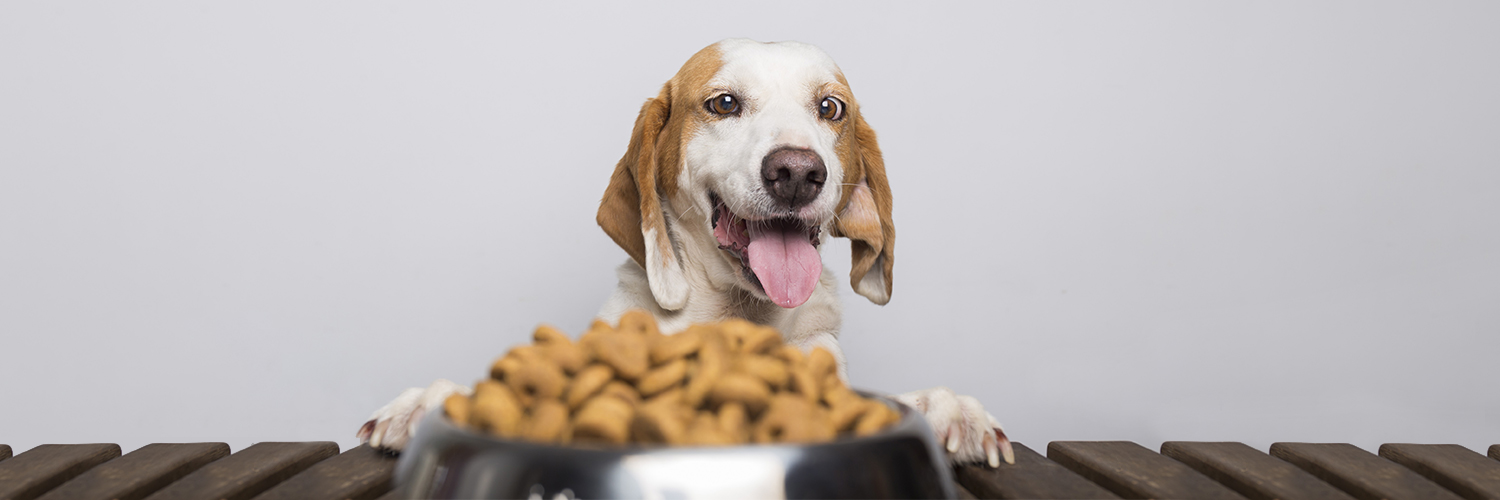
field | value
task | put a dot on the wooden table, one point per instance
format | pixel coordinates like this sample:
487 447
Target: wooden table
1070 469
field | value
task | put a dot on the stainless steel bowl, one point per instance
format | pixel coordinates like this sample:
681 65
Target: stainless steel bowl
904 461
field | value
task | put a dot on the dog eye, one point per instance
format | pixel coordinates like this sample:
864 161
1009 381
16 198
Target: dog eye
724 104
831 109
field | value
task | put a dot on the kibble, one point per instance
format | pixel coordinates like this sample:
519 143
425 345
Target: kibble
728 383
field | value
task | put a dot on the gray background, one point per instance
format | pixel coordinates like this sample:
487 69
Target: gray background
1141 221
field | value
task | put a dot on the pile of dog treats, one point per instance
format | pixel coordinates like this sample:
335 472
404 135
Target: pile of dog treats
716 384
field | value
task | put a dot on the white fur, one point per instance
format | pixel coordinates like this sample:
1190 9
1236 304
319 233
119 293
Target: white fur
779 86
668 285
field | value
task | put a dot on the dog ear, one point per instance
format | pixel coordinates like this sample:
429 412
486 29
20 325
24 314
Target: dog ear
866 217
631 213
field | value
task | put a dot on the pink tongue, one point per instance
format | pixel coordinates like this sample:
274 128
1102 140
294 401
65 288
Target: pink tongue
785 262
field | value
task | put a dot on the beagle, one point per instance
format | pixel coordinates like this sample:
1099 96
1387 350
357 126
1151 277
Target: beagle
736 172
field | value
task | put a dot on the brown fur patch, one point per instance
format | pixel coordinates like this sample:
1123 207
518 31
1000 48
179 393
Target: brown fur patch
867 224
648 171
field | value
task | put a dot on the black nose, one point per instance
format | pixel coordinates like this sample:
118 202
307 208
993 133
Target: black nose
793 176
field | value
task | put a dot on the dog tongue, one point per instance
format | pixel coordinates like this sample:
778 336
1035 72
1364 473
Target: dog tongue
785 261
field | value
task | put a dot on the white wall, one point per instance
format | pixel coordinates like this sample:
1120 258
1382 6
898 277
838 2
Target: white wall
1142 221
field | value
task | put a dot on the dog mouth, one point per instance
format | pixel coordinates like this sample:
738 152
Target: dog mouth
778 255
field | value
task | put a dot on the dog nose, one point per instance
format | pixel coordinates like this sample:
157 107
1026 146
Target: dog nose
793 176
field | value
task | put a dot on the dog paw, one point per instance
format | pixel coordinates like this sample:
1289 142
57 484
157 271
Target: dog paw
390 427
969 433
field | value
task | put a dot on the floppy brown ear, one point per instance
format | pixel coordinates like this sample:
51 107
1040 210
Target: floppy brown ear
866 217
630 211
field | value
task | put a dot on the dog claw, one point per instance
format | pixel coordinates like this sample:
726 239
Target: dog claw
1005 449
1003 443
953 433
365 431
990 451
377 436
996 446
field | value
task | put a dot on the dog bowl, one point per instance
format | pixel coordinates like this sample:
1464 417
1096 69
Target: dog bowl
902 461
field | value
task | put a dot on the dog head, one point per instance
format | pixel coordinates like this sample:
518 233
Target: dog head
744 162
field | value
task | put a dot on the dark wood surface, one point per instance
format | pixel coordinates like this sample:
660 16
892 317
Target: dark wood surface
248 472
1360 473
1071 469
1134 471
358 474
30 474
1032 476
140 472
1250 472
1451 466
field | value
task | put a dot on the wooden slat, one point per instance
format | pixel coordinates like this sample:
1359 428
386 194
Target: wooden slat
1451 466
1133 471
1495 451
358 474
4 451
963 494
1032 476
30 474
1359 472
1249 472
392 495
249 472
139 473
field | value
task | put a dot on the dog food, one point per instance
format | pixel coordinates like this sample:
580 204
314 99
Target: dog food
728 383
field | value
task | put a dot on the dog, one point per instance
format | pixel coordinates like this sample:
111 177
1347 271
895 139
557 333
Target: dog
749 159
